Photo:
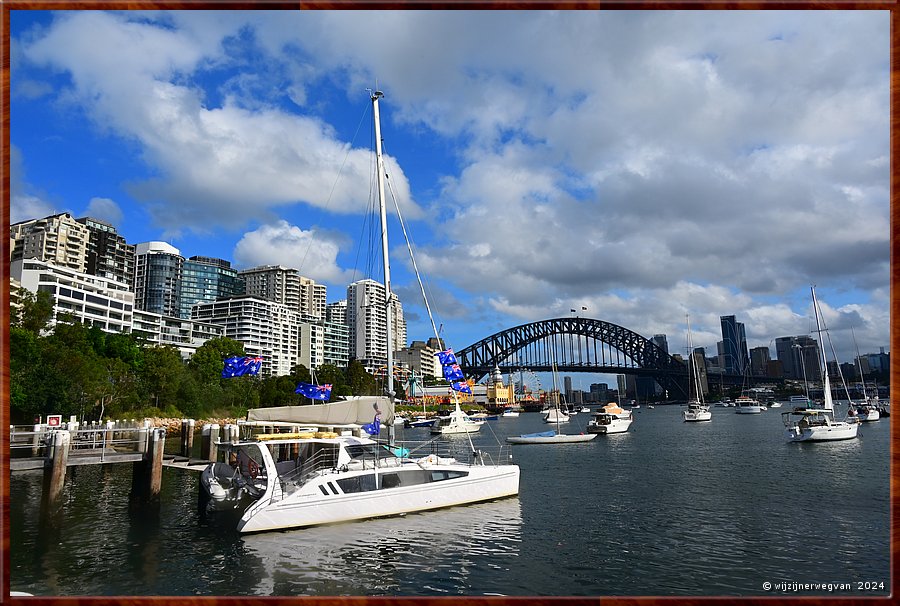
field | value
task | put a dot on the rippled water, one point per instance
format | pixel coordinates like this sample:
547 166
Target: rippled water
669 508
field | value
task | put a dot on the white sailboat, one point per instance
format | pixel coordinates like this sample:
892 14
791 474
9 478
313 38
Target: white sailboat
804 424
552 437
697 411
302 478
869 410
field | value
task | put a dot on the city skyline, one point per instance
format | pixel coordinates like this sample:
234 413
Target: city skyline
703 164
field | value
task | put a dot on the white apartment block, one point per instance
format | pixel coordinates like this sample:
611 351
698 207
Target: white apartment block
420 358
337 344
286 286
93 300
367 321
265 328
58 239
336 312
184 335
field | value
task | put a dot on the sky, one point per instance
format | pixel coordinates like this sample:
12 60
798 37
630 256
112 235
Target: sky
646 165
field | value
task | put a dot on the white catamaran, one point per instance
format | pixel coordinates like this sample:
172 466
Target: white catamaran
324 468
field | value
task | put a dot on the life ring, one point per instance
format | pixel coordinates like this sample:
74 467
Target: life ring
253 468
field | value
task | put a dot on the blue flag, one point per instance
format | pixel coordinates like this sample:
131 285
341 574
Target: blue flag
373 428
314 392
238 366
446 357
461 387
452 372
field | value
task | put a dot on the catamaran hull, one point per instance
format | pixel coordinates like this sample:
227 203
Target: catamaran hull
481 484
699 417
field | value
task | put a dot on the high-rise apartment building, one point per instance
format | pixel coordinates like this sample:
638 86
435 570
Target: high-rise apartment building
736 358
207 279
367 311
336 312
157 278
57 239
108 254
265 328
286 286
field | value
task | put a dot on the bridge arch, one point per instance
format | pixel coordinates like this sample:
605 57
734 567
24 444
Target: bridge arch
575 345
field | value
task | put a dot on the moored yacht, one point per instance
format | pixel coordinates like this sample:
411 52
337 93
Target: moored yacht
697 410
745 405
604 422
818 424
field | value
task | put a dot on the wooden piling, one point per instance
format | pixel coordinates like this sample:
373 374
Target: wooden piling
208 439
55 468
187 437
146 478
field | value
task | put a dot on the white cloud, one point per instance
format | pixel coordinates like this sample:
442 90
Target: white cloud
313 253
105 209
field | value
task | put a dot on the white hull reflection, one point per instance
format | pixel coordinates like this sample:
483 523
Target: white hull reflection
314 561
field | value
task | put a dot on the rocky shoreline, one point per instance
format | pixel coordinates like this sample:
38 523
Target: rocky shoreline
173 426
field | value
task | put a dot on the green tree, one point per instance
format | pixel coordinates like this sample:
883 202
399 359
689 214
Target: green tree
160 376
360 382
207 362
34 312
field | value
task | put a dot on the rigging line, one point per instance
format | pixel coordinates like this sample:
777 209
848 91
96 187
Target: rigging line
422 288
334 184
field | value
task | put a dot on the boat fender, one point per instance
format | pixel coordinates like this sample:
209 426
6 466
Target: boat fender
253 468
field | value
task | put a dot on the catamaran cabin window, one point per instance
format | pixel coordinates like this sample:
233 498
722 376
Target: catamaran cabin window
437 476
363 483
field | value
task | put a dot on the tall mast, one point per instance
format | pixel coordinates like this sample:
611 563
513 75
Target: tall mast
382 208
826 383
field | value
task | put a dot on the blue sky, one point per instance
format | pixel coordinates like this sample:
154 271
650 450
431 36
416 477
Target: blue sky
645 165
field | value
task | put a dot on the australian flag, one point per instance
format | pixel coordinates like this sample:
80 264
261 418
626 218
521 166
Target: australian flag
373 428
446 357
452 372
314 392
461 386
239 366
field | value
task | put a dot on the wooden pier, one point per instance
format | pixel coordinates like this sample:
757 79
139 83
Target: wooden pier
55 449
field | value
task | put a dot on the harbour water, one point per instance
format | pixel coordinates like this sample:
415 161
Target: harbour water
669 508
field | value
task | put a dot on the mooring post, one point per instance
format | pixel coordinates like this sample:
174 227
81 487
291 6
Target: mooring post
146 478
55 467
208 439
187 437
36 441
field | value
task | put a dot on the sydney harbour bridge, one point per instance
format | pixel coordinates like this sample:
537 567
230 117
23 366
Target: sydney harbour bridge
581 345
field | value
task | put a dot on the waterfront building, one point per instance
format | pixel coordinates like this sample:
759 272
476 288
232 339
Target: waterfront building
420 358
185 335
57 239
286 286
157 278
265 328
336 346
312 342
206 279
735 359
759 361
367 311
499 396
336 312
108 254
92 300
599 392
